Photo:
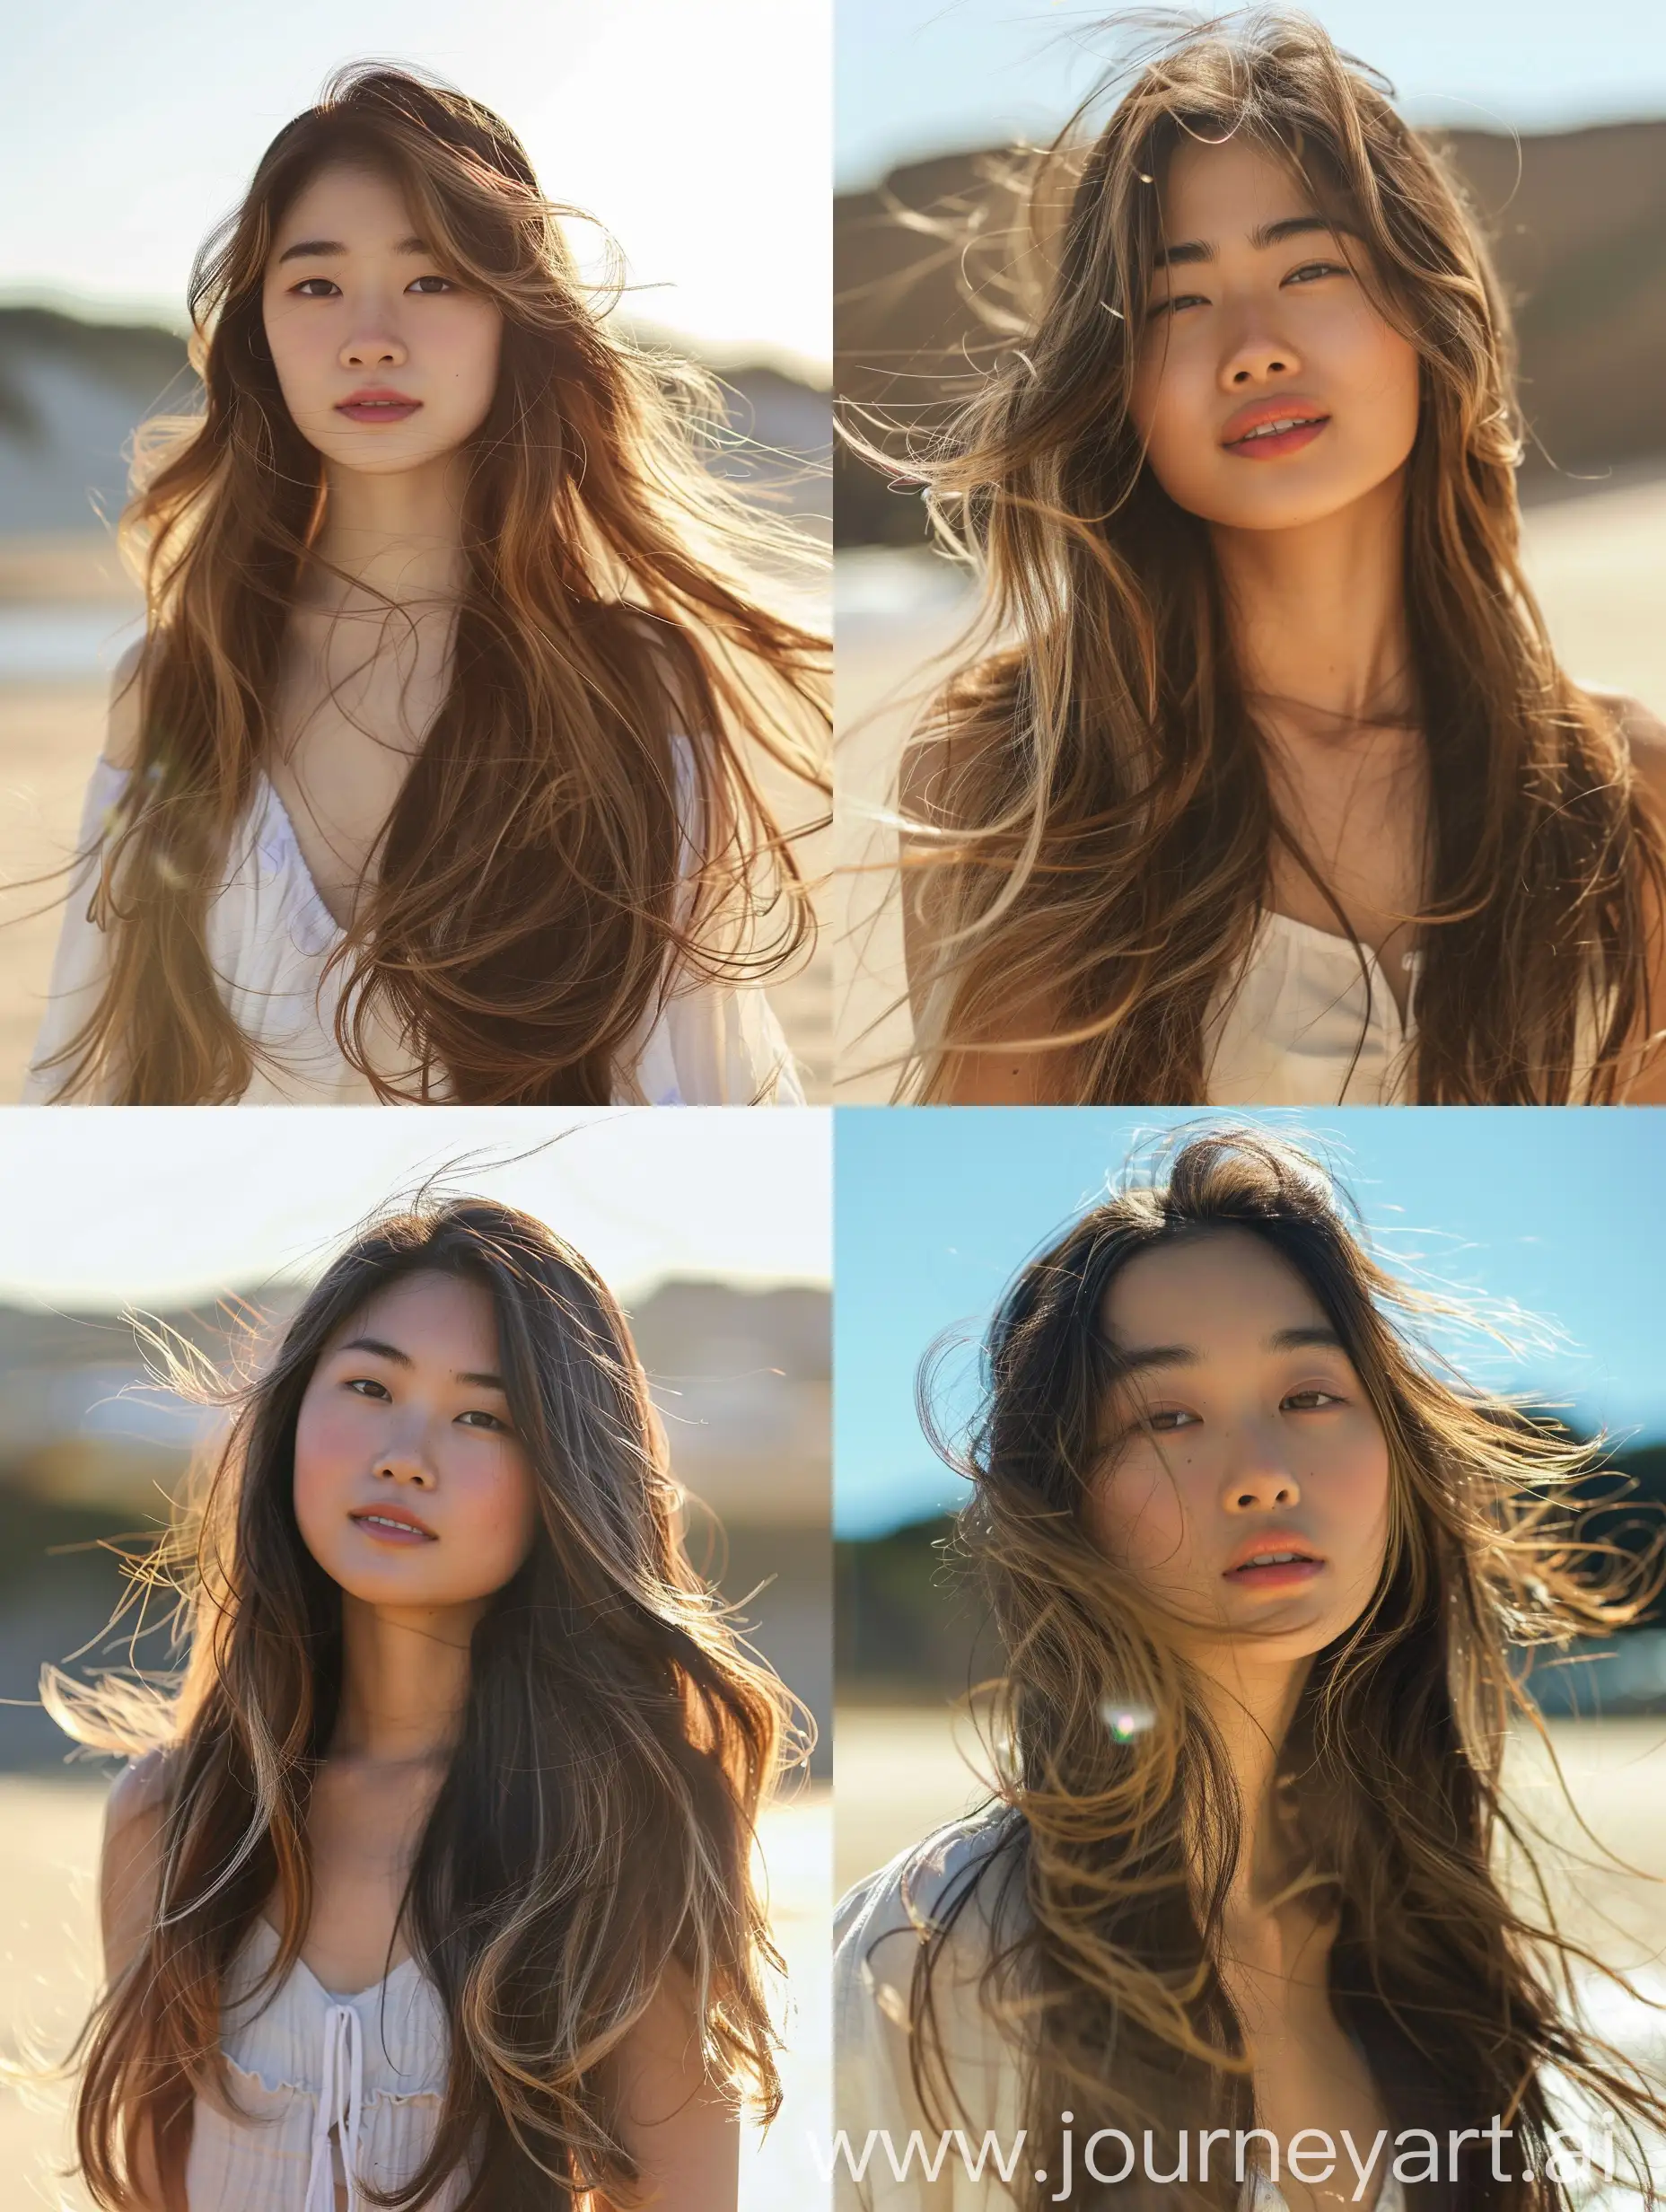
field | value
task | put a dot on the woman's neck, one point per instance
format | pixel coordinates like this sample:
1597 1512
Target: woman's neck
1251 1704
404 1682
1318 615
396 537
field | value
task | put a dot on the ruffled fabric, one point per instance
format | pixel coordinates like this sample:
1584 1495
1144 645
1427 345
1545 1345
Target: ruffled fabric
269 936
330 2089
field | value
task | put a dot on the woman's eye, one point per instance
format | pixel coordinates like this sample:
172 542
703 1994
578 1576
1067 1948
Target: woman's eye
303 290
1180 299
439 284
1313 1400
1166 1423
366 1386
484 1420
1309 270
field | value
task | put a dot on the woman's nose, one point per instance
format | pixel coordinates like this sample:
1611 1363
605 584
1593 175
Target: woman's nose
404 1458
1259 1479
370 351
1256 356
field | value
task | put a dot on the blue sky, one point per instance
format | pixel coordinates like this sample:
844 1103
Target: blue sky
931 76
1556 1213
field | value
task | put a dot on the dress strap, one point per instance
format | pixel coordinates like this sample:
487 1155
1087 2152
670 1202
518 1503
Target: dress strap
340 2103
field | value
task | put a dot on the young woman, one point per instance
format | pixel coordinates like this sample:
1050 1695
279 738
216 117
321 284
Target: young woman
435 1880
1260 782
1256 1565
435 775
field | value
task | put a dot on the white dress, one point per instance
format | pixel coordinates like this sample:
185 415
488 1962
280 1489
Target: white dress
269 936
876 1936
336 2089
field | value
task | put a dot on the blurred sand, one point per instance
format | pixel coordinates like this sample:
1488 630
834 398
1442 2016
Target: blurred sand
50 731
1596 561
903 1770
49 1828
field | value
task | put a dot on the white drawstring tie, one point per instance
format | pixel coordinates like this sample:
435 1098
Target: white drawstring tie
340 2102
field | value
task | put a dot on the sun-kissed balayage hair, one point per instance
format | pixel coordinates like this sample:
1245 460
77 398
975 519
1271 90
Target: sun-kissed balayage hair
1113 1847
523 913
595 1828
1093 819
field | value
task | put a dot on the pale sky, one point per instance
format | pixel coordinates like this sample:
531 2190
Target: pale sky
109 1205
700 135
938 77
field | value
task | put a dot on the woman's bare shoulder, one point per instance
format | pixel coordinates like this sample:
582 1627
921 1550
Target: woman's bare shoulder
121 731
131 1868
140 1790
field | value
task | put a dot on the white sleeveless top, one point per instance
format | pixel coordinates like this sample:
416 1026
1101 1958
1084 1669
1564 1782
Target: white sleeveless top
269 936
876 1936
336 2089
1309 1021
1305 1024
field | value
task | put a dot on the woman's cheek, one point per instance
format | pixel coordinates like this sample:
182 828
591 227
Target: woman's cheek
1140 1517
502 1514
329 1448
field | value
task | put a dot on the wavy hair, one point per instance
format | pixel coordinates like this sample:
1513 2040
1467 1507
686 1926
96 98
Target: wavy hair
528 906
1090 815
593 1830
1108 1865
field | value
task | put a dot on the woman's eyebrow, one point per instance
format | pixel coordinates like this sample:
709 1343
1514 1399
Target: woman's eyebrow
1265 236
404 1359
1183 1355
313 248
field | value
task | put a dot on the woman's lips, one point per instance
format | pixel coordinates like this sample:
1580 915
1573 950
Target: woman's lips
1286 1575
391 1530
1266 442
379 410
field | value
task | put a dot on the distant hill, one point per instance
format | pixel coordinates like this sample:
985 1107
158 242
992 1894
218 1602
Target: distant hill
1580 241
70 393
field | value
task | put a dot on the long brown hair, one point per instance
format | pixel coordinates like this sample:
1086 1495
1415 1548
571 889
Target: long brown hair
593 1830
1107 1865
1095 824
529 906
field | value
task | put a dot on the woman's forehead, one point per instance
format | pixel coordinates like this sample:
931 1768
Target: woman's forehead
1203 1288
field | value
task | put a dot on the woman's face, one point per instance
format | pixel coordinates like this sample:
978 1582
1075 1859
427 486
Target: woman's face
412 1489
385 362
1242 1436
1258 318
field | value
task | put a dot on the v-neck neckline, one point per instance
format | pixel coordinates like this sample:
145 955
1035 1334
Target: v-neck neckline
286 822
341 1997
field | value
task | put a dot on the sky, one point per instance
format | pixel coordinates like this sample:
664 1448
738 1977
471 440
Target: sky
933 76
700 136
104 1206
1554 1213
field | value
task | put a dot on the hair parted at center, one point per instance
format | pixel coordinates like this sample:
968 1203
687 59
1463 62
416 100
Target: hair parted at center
592 1834
532 900
1106 1869
1093 819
